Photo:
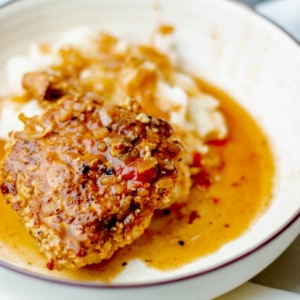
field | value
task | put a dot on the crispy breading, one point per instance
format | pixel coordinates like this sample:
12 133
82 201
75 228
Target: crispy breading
85 178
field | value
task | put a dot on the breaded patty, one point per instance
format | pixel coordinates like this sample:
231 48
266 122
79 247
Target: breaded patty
85 178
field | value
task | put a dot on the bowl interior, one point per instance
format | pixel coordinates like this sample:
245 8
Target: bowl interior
223 43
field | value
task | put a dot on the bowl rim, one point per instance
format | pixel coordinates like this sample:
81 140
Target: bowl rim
101 285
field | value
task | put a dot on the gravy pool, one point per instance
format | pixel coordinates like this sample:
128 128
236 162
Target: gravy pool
184 232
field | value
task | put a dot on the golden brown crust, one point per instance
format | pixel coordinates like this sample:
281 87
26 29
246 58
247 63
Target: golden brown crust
85 178
44 86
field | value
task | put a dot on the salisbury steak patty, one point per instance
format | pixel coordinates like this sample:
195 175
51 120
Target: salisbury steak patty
85 178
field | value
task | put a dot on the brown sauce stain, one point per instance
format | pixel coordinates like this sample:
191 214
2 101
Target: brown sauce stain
166 29
184 232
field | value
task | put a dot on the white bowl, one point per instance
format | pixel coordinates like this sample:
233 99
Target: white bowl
228 45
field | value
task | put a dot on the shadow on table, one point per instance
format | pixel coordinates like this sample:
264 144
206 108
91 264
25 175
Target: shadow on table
284 272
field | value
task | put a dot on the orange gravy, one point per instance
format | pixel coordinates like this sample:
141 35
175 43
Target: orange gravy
184 232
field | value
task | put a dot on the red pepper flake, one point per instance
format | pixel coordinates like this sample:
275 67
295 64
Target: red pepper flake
50 265
221 165
193 216
147 176
215 200
129 173
197 160
177 209
217 142
202 180
226 225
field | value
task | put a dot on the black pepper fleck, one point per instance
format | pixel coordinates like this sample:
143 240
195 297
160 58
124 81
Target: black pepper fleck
124 264
181 243
166 212
108 171
134 206
85 169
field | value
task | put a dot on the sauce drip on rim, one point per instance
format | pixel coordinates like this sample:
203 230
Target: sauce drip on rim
184 232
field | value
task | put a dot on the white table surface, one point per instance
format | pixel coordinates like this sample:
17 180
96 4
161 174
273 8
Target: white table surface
281 280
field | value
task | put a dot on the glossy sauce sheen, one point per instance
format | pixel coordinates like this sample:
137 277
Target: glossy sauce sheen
184 232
